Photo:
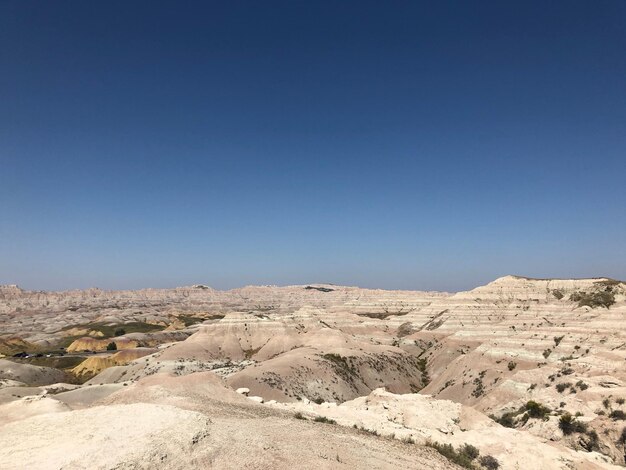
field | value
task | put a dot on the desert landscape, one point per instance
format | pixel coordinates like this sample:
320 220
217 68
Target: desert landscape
397 231
517 374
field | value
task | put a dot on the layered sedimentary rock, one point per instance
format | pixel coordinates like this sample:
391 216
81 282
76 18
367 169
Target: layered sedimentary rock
531 354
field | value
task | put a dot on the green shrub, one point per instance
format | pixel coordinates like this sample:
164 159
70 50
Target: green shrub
593 441
469 451
463 457
111 346
489 462
562 386
604 298
512 365
569 425
537 410
324 419
617 415
120 332
505 420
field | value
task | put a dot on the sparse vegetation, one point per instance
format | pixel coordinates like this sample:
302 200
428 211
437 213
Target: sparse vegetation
321 289
531 409
569 425
489 462
111 330
617 415
189 320
479 389
537 410
324 419
111 346
592 442
604 298
512 365
560 387
421 365
463 457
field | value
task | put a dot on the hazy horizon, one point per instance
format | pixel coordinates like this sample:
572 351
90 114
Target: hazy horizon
295 284
408 146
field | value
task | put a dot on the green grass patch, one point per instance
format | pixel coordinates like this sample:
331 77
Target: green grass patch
324 419
109 330
55 362
189 320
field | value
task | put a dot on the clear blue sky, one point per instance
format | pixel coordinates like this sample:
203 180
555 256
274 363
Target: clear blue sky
424 145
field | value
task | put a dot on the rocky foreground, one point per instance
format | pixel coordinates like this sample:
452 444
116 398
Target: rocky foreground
520 373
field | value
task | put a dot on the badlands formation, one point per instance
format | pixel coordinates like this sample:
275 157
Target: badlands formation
518 374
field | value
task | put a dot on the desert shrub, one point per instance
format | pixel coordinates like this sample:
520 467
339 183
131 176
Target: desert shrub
558 294
622 437
562 386
606 403
324 419
558 339
111 346
593 441
479 390
505 420
547 353
299 415
369 431
469 451
537 410
120 332
512 365
489 462
617 415
569 425
459 458
582 385
604 298
405 329
619 401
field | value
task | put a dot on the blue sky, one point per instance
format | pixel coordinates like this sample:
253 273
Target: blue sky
418 145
